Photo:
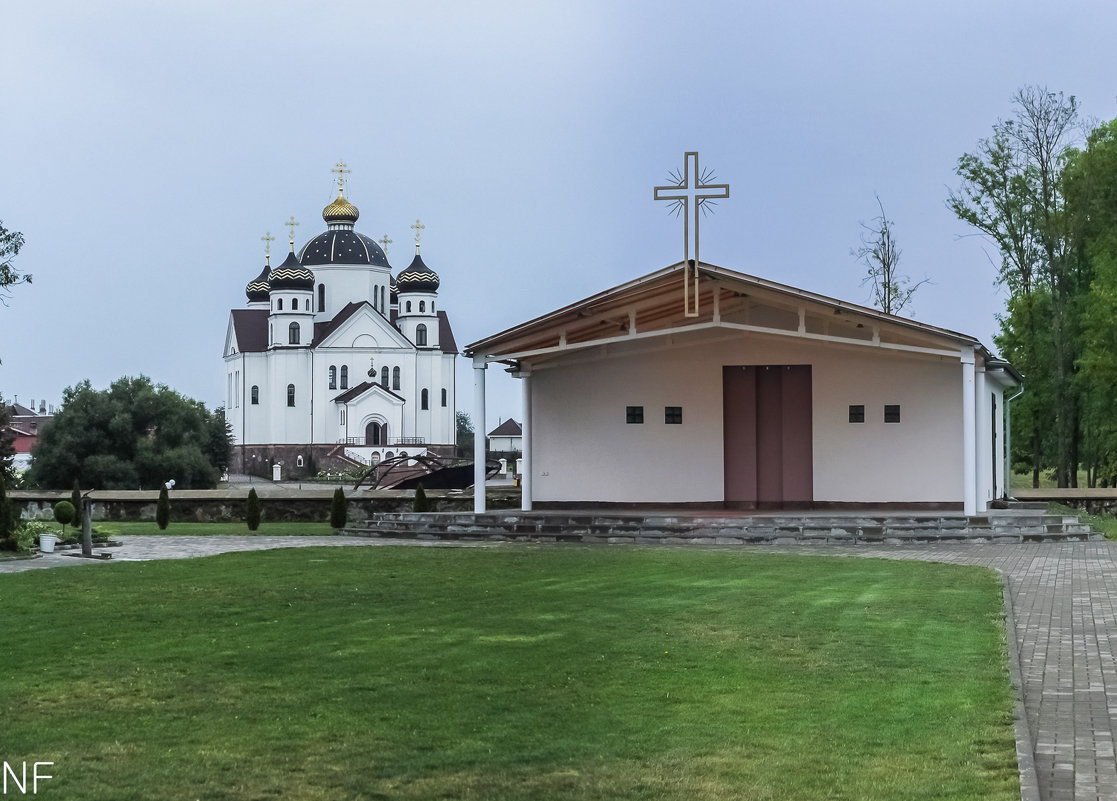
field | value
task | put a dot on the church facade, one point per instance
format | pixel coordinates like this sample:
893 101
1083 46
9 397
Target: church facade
335 361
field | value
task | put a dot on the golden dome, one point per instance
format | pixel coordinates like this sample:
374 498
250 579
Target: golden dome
341 210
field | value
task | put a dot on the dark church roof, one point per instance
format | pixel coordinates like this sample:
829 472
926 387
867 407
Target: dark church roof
418 277
258 288
291 275
361 389
250 326
342 246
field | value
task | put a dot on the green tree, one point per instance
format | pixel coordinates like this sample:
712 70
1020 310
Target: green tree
1091 189
134 434
421 502
163 509
10 244
880 255
7 447
464 430
339 509
7 516
75 496
252 510
1012 192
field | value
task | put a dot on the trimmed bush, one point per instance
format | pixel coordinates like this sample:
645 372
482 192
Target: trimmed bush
163 510
421 503
64 513
339 510
252 510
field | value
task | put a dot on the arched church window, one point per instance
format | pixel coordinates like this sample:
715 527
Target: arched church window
294 304
384 376
290 394
444 397
255 395
345 376
293 334
432 307
279 305
409 306
422 305
395 378
420 335
425 402
333 377
321 297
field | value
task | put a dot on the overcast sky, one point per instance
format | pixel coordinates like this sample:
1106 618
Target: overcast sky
146 147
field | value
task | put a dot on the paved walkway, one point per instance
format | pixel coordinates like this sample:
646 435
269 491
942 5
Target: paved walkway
1062 606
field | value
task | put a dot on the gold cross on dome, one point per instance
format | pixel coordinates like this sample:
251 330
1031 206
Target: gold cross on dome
341 169
418 226
384 243
267 239
291 224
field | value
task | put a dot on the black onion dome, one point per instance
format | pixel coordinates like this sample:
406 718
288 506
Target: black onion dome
258 288
393 291
418 277
291 275
342 246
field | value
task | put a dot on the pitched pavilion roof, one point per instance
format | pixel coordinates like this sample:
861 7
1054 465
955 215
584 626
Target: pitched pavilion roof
652 306
509 428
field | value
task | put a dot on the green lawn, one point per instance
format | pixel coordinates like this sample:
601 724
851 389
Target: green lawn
184 529
518 673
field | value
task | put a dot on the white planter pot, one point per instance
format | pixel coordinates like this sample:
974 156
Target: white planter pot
47 542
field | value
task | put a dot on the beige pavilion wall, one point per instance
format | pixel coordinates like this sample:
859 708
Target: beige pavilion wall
584 450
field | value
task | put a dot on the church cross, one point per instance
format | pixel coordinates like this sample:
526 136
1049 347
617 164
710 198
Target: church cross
418 226
341 169
267 239
384 243
690 194
291 224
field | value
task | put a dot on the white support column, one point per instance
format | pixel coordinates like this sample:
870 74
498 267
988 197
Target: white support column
525 456
969 434
982 439
479 427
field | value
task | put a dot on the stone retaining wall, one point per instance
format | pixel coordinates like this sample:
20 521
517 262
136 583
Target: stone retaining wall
211 506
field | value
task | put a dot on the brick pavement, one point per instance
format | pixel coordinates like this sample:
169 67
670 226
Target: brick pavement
1061 596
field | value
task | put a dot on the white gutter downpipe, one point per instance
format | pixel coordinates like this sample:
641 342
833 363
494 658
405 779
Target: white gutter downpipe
479 367
969 434
1008 442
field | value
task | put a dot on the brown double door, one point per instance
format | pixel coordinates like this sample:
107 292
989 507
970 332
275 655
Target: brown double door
767 428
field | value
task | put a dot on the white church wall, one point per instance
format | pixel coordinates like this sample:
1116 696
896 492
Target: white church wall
579 414
344 285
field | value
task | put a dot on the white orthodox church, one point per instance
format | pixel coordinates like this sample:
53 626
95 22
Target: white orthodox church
336 362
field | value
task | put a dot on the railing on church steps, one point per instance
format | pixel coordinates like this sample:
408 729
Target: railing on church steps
394 441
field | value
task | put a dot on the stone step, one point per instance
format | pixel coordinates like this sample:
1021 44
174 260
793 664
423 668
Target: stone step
1006 526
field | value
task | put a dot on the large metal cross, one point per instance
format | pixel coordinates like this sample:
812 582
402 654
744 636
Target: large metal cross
689 195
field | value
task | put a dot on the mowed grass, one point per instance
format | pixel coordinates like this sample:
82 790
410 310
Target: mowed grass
518 673
191 529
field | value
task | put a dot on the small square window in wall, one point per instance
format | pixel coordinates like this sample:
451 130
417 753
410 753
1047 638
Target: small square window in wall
857 413
892 413
634 414
673 415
